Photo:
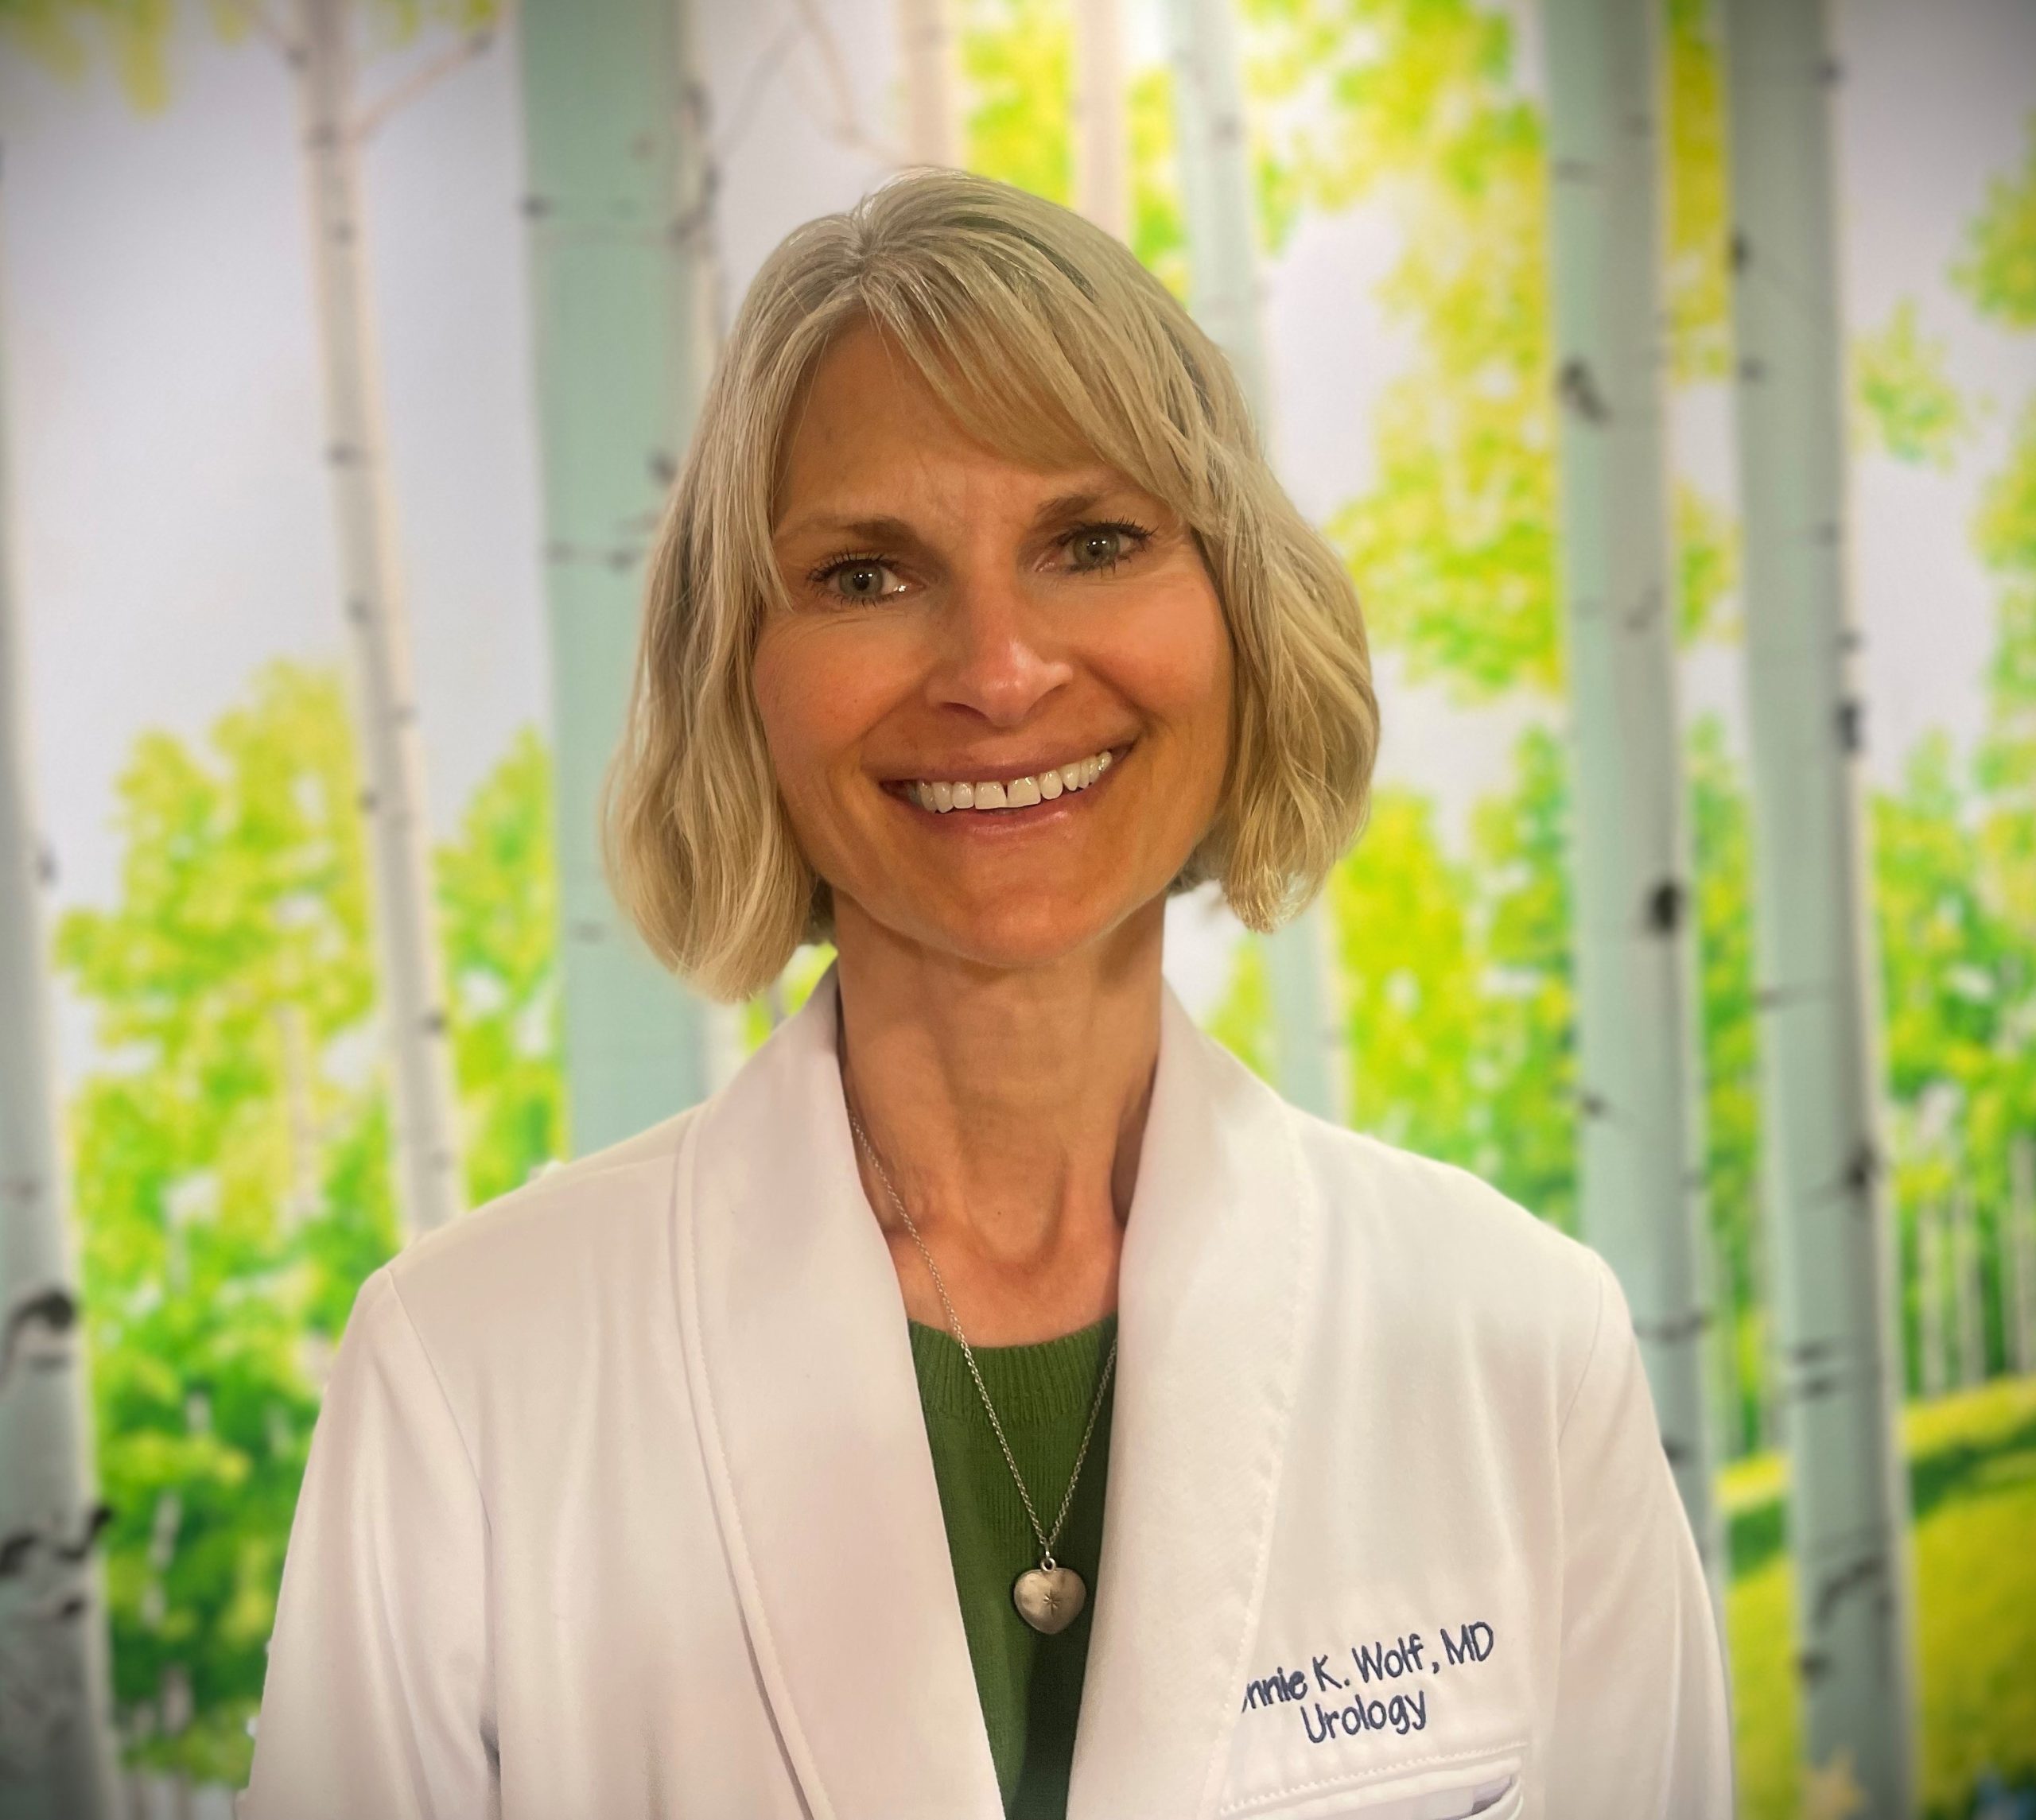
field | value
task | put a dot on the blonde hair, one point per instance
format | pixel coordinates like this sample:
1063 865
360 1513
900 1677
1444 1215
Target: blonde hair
1051 345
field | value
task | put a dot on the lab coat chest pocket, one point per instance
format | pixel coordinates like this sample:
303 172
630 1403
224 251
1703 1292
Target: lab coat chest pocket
1482 1786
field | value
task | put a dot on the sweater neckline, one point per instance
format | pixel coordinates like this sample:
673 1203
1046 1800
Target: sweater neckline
1042 1382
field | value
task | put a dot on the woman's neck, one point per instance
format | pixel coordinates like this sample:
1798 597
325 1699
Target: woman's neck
1008 1108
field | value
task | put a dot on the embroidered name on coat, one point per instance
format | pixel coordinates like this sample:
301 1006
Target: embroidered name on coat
1378 1686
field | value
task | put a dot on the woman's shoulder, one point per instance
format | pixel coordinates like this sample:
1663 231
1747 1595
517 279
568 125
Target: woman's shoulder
1437 1248
577 1246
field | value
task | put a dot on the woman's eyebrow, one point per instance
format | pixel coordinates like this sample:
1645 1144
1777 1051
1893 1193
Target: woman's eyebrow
884 528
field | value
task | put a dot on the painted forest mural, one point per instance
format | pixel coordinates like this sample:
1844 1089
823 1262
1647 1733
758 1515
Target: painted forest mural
230 1109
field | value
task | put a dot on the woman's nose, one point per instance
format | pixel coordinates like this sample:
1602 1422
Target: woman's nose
998 654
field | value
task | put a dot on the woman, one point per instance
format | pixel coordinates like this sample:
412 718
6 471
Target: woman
994 1352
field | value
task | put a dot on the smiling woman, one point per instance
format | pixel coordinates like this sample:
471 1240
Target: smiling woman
995 1400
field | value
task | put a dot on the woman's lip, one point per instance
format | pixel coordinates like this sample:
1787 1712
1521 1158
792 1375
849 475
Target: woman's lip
1003 773
901 787
1068 800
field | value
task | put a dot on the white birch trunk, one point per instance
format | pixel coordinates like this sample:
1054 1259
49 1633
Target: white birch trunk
930 61
624 286
1102 125
1309 1040
428 1187
1819 1015
2022 1248
1639 1128
56 1751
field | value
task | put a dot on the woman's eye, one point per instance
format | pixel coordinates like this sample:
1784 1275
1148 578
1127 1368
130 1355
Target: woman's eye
1104 546
859 579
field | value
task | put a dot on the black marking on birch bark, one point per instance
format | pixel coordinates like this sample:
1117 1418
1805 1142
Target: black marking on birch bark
1831 71
664 470
359 609
1862 1169
403 714
1774 998
1833 1590
1593 1105
1574 170
367 801
1852 725
1739 250
343 454
344 234
1813 1665
1678 1455
1815 1387
97 1517
1812 1352
323 138
1830 533
53 1307
433 1022
1665 903
1577 388
534 207
1675 1328
1752 370
46 863
22 1189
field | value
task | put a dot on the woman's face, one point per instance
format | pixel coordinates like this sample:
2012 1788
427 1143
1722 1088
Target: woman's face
960 620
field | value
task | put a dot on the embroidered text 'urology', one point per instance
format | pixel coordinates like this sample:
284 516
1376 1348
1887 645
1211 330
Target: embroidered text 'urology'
1379 1687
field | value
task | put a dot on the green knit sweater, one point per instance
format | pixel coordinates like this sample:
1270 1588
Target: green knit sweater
1030 1685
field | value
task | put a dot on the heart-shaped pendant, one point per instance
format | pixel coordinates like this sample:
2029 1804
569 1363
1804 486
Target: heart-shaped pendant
1049 1599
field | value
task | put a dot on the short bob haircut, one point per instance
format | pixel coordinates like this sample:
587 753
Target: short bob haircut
1053 347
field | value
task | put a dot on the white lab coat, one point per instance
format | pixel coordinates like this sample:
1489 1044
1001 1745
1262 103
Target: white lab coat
621 1504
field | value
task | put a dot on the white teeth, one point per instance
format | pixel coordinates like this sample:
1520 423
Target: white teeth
1019 792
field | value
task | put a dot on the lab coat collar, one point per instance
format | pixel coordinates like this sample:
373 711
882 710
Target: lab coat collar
808 1408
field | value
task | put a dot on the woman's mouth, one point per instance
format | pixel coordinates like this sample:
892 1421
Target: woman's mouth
995 796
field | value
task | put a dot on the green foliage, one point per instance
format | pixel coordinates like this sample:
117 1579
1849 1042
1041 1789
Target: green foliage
1399 911
1721 845
1973 1478
233 963
1998 270
1698 277
1906 406
1706 564
1017 62
1414 103
497 913
230 1175
134 35
1457 984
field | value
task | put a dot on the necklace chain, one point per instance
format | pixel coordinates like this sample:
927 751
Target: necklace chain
1046 1537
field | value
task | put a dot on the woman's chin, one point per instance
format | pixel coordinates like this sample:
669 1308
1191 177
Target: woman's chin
1015 934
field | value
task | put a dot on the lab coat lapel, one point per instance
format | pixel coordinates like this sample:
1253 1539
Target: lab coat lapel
801 1378
1225 1227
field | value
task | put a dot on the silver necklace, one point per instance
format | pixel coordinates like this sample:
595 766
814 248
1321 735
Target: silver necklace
1049 1596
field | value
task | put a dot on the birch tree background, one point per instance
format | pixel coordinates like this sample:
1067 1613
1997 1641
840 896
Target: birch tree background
205 910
